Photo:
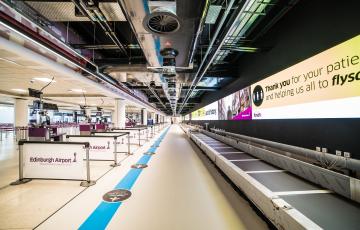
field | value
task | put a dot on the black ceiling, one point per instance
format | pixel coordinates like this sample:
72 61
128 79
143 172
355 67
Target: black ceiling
94 43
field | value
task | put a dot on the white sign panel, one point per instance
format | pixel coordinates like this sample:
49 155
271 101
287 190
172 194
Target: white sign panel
101 148
54 161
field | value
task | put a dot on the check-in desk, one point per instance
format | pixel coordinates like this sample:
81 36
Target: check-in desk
85 129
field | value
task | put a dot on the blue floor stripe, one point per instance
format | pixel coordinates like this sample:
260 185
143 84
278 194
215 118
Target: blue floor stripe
105 211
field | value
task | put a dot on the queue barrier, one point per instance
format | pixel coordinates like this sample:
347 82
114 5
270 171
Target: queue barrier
54 160
102 147
110 133
139 130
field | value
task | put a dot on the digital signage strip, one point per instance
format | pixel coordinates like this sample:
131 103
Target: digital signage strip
326 85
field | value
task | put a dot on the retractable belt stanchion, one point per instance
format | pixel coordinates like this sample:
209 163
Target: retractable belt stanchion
139 131
88 182
115 154
21 169
129 151
139 138
100 145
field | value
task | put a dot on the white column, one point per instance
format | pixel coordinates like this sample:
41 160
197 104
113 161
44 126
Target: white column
144 116
152 117
21 113
113 115
119 113
122 77
88 112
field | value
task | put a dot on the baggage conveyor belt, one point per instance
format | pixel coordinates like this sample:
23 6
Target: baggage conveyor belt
322 207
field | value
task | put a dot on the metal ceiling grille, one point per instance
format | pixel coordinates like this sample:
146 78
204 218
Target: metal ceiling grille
65 11
163 22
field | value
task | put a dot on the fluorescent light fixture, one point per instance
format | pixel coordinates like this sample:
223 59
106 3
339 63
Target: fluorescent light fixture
77 90
43 79
19 90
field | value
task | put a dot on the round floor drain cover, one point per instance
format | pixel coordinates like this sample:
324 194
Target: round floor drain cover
116 195
149 153
139 166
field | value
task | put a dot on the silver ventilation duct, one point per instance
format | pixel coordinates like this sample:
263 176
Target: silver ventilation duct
162 20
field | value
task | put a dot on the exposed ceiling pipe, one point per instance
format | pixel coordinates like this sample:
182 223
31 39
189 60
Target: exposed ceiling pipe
155 94
100 77
239 14
94 13
82 10
226 13
145 40
199 30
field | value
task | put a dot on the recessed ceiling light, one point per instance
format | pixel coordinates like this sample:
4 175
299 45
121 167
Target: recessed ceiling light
19 90
77 90
43 79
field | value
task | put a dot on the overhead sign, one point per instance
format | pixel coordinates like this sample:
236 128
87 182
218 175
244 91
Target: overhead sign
50 161
326 85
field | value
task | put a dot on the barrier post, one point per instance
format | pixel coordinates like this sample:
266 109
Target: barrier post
21 179
115 153
139 137
129 153
88 182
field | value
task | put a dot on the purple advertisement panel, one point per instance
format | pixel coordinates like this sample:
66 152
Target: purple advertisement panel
245 110
236 106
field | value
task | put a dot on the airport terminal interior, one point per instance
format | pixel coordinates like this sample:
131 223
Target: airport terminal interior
179 114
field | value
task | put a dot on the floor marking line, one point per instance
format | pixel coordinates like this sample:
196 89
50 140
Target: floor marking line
265 171
105 211
289 193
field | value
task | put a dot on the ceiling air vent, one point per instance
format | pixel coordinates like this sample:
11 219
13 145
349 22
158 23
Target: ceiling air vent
162 18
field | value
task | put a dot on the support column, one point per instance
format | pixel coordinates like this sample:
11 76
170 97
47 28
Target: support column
152 117
144 116
88 113
119 113
21 116
122 77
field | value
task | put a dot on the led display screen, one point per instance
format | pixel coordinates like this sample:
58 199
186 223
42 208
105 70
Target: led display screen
326 85
209 112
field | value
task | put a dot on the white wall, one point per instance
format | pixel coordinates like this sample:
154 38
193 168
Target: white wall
6 114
